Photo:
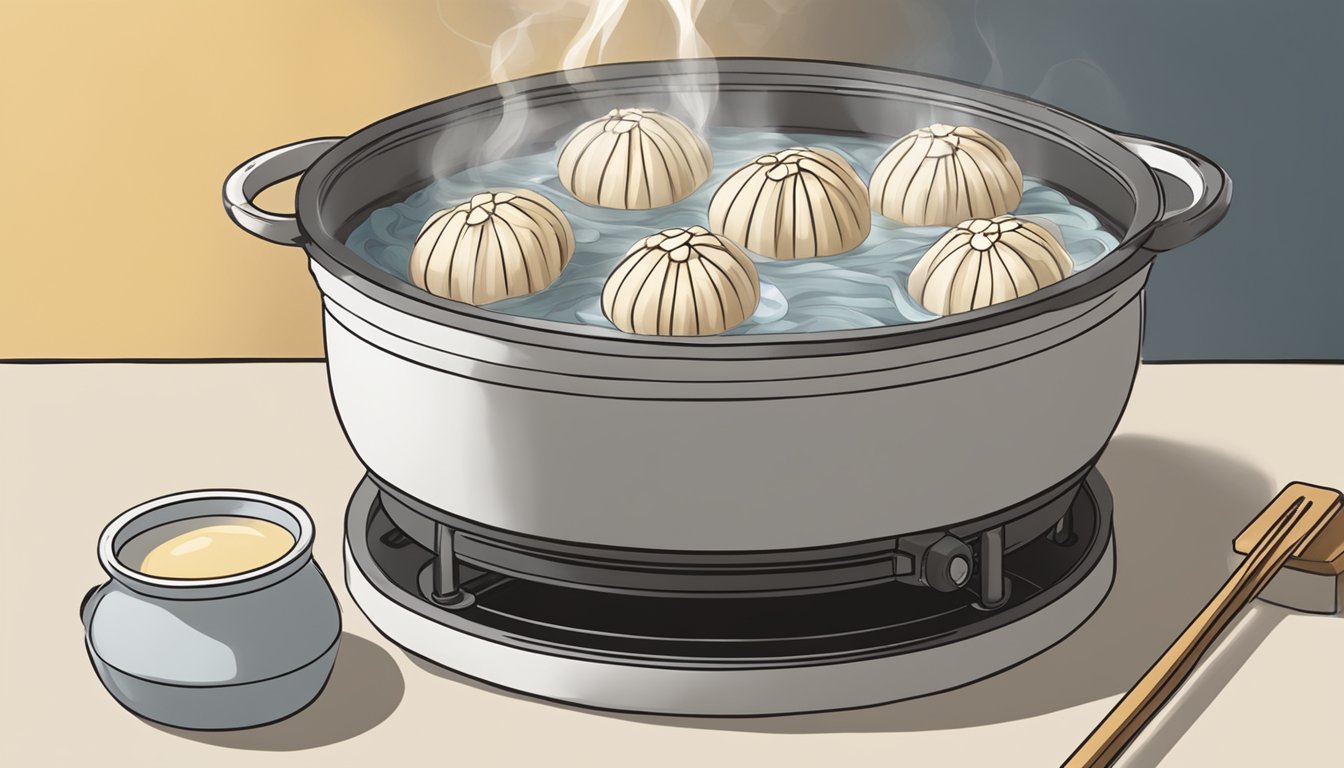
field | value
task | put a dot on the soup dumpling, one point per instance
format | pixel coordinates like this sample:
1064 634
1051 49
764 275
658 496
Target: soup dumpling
681 282
495 246
943 174
981 262
634 159
796 204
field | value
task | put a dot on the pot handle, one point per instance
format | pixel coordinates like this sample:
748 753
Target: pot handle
1210 191
248 180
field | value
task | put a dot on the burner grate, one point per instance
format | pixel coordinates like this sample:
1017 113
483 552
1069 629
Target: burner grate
925 558
804 628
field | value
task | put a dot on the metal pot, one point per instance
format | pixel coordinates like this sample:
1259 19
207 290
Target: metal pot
742 442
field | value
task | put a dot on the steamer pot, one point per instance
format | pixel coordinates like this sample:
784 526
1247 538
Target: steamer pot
735 443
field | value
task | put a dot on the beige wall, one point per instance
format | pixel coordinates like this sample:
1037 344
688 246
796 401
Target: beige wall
121 120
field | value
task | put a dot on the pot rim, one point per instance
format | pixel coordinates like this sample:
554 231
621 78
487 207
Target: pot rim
159 511
1097 145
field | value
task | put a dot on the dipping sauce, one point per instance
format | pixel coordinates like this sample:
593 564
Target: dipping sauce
207 547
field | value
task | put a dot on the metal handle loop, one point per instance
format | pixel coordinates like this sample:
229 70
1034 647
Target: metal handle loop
248 180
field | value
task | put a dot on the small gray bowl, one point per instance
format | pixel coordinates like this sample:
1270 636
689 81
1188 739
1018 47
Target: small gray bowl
213 654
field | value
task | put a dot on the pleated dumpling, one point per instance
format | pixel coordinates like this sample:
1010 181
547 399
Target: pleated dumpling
943 174
634 159
681 282
986 261
495 246
796 204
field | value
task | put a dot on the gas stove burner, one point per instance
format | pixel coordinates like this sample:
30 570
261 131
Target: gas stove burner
940 559
731 633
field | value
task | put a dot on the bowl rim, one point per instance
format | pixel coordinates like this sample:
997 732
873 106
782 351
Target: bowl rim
133 522
1096 144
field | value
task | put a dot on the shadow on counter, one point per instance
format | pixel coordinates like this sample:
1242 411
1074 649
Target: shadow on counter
364 690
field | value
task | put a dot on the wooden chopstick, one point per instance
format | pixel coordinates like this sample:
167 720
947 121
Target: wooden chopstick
1291 532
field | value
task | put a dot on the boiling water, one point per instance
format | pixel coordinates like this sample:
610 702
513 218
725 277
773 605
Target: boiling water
863 288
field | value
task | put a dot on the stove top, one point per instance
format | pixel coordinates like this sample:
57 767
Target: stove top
731 633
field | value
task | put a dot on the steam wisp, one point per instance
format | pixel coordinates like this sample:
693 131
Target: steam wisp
516 50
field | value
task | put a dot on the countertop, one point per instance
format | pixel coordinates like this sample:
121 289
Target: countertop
1201 449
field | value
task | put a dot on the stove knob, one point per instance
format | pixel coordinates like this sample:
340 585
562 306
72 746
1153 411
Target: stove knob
947 564
935 560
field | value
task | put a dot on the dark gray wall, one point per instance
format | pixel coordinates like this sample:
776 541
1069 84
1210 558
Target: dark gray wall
1254 85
